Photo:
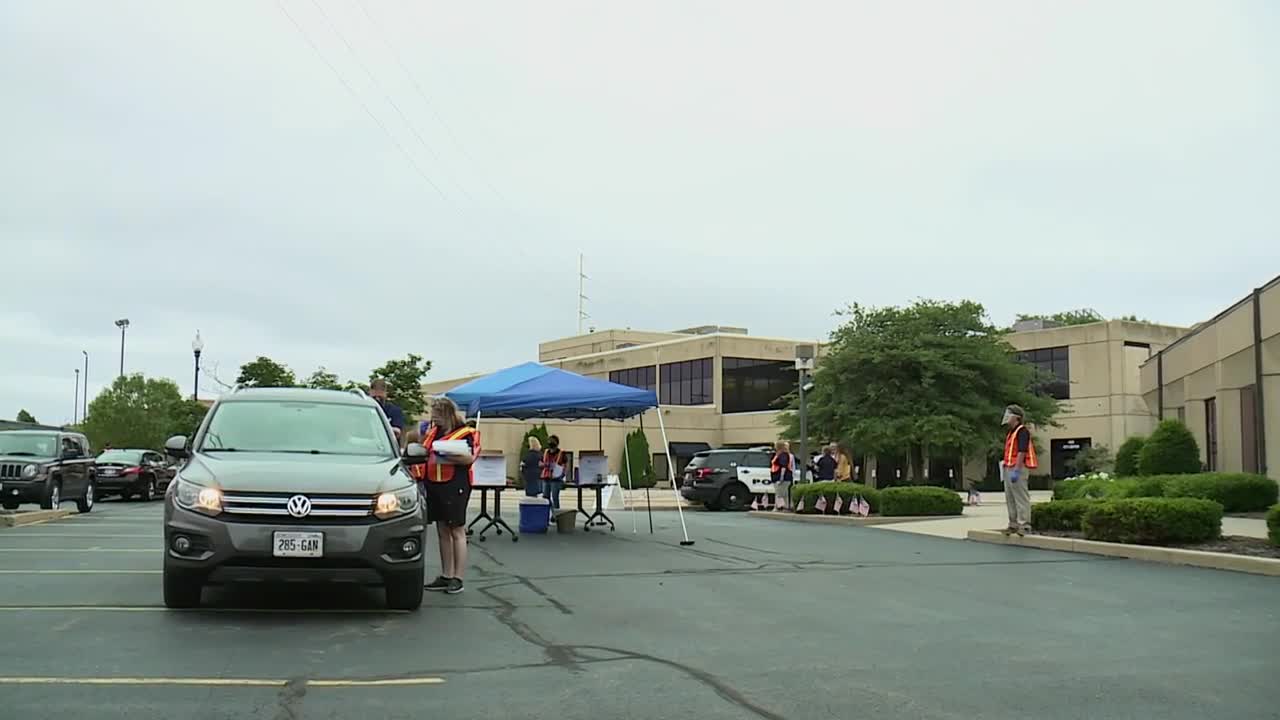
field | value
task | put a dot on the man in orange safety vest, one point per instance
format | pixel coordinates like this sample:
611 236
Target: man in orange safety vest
1019 458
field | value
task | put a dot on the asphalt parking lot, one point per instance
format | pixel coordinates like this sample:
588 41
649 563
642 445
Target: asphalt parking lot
759 619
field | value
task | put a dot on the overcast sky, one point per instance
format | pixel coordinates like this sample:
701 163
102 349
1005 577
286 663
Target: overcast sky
199 165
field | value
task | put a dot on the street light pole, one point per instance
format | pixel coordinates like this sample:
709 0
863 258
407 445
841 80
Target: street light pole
75 406
85 415
804 363
123 324
197 347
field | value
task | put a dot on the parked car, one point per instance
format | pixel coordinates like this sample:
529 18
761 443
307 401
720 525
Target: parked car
132 473
727 479
294 485
45 467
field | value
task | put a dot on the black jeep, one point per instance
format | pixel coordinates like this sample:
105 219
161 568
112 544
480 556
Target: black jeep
46 467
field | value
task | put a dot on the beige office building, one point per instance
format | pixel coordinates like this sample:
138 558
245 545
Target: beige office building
1222 379
720 387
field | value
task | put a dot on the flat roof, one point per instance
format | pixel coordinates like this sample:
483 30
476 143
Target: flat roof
1213 320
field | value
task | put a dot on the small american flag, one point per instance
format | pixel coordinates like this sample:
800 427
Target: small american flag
755 505
800 506
839 504
821 504
864 508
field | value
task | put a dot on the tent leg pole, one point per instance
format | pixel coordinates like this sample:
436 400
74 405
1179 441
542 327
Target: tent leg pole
671 472
647 501
626 458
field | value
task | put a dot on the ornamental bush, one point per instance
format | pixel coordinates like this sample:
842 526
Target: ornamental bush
1236 492
1153 521
1171 450
1273 524
1127 456
920 500
1060 514
810 492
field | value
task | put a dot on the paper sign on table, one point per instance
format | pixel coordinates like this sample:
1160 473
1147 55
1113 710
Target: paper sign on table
490 471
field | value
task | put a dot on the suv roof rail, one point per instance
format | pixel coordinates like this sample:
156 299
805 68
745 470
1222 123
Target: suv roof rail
358 392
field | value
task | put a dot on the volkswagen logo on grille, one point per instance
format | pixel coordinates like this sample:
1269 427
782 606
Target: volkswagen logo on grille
299 506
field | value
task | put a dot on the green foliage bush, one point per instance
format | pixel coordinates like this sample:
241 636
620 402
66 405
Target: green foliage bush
810 492
920 500
1138 487
1127 456
641 461
1273 524
1236 492
1153 521
1081 488
1171 450
1060 514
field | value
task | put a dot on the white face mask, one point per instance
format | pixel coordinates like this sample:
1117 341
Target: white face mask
1007 417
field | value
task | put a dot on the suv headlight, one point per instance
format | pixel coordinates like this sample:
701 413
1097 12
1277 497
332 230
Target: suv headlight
200 499
30 472
399 502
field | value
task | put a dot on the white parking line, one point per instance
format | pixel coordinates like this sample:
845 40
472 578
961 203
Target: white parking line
90 536
80 550
161 608
216 682
81 572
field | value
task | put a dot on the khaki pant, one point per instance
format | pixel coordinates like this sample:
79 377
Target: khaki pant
781 493
1017 498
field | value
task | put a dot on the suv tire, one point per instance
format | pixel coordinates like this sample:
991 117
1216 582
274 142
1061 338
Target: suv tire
85 504
405 591
52 496
9 505
148 491
181 590
735 497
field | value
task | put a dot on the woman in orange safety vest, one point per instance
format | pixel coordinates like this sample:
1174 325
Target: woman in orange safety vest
446 483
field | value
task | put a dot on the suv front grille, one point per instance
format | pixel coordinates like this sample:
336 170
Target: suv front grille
273 505
10 471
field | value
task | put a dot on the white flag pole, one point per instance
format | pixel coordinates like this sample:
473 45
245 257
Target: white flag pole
626 457
671 473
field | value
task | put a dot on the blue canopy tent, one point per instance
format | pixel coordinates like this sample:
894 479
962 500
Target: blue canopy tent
532 390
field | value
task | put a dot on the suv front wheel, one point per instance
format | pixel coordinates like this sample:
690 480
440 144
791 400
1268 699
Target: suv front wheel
181 590
405 591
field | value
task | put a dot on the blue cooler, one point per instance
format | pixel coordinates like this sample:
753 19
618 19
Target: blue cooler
535 515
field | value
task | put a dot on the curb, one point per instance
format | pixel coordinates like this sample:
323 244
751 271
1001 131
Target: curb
1148 553
32 517
845 519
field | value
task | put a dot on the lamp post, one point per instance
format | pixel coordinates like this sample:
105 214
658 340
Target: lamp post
197 347
75 406
85 415
804 364
123 324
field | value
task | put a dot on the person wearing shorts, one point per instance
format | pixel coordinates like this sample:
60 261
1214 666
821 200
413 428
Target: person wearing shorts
446 483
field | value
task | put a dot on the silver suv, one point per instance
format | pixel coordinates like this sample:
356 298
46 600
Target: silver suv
295 486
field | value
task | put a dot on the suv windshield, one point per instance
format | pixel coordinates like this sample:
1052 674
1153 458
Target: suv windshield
300 427
121 456
30 445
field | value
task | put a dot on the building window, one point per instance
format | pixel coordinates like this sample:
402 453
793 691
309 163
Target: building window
686 383
754 385
1054 370
644 378
1211 434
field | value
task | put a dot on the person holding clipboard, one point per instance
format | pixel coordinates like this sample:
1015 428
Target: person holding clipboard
452 448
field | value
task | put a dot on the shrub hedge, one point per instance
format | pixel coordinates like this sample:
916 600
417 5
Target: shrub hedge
1128 454
1273 524
1171 449
1138 487
920 500
1060 514
1153 521
1236 492
1082 488
810 492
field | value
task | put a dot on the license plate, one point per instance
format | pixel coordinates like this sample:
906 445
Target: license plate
298 544
107 471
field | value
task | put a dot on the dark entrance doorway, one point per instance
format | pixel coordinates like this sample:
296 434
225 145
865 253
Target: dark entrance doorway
946 469
1063 450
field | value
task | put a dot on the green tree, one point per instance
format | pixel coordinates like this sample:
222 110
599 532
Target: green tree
1082 316
1127 457
1095 459
137 412
1171 450
265 372
26 417
188 416
404 382
640 462
898 380
322 379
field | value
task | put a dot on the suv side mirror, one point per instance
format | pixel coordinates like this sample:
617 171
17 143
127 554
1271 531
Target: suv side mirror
414 454
176 446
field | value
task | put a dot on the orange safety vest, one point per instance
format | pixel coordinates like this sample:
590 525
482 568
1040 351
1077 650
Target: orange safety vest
443 472
1011 449
547 462
776 468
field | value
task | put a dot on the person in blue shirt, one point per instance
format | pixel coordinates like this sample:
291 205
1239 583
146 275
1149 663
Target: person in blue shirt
378 391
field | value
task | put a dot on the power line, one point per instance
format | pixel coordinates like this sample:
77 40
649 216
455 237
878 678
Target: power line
356 96
387 96
426 99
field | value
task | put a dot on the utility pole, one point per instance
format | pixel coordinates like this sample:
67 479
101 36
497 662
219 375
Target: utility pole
123 324
75 406
582 298
85 415
804 364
